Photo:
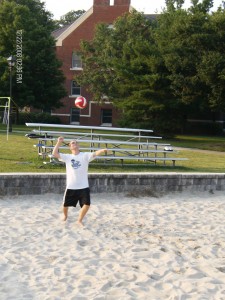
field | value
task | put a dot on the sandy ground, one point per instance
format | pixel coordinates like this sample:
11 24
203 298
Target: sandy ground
168 247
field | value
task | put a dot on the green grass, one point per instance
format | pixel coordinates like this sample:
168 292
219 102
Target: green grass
19 155
213 143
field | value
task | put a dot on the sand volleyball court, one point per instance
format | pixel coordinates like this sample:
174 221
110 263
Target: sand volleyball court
170 247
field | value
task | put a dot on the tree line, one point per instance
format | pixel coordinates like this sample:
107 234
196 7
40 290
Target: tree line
160 71
26 33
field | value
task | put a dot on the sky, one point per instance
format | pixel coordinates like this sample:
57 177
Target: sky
61 7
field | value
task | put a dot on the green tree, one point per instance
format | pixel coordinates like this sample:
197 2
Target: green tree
155 72
25 32
69 18
183 38
211 69
124 64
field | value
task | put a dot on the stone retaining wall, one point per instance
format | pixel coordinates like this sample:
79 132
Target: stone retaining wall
36 183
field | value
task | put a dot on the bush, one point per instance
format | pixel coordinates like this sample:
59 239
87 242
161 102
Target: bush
161 126
37 118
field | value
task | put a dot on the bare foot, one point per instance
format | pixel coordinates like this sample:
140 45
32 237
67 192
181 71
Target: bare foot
80 223
64 218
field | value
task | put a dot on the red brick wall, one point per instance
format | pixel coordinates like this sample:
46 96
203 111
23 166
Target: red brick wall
102 12
121 2
101 2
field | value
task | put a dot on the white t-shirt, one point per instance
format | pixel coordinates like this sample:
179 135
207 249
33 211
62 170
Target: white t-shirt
77 169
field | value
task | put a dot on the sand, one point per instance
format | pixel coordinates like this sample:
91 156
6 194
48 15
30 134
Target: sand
168 247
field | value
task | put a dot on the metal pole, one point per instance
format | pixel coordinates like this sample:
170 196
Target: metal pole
10 102
9 105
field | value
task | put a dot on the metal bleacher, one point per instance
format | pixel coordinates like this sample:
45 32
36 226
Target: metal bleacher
123 144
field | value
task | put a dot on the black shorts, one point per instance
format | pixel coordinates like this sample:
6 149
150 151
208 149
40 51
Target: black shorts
71 197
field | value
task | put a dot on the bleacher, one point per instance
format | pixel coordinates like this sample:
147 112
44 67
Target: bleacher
126 145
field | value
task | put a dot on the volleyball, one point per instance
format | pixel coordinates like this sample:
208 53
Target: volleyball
81 102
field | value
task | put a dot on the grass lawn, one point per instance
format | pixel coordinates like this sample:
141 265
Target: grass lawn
17 154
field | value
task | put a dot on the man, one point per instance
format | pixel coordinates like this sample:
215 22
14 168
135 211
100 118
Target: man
77 187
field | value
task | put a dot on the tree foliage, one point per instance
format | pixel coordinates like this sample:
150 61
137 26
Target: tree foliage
68 18
42 79
181 40
124 64
211 69
159 73
191 43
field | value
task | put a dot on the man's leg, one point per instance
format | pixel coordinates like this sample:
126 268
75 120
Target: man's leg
82 213
65 211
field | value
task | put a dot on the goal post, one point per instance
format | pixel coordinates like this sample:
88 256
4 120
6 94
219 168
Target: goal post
7 107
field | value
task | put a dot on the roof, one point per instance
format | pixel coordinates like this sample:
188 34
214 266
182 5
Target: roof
61 33
56 33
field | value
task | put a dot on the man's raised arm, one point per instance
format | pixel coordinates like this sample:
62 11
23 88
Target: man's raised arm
55 151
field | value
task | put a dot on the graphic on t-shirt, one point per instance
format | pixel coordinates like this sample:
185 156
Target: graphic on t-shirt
75 164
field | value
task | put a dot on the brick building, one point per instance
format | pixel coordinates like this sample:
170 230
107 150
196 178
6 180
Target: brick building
67 45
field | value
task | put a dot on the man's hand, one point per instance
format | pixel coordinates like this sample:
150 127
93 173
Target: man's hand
60 139
99 152
103 151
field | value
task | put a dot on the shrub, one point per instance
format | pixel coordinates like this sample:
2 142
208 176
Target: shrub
37 118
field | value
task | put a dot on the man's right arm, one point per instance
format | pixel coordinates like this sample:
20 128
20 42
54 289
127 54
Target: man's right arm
55 151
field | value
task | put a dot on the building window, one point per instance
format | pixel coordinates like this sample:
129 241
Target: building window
76 61
75 89
106 117
75 116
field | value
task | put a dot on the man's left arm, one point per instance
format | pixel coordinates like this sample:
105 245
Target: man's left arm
99 152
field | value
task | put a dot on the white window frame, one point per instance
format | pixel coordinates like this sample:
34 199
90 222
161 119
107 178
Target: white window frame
71 114
76 62
75 87
102 123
